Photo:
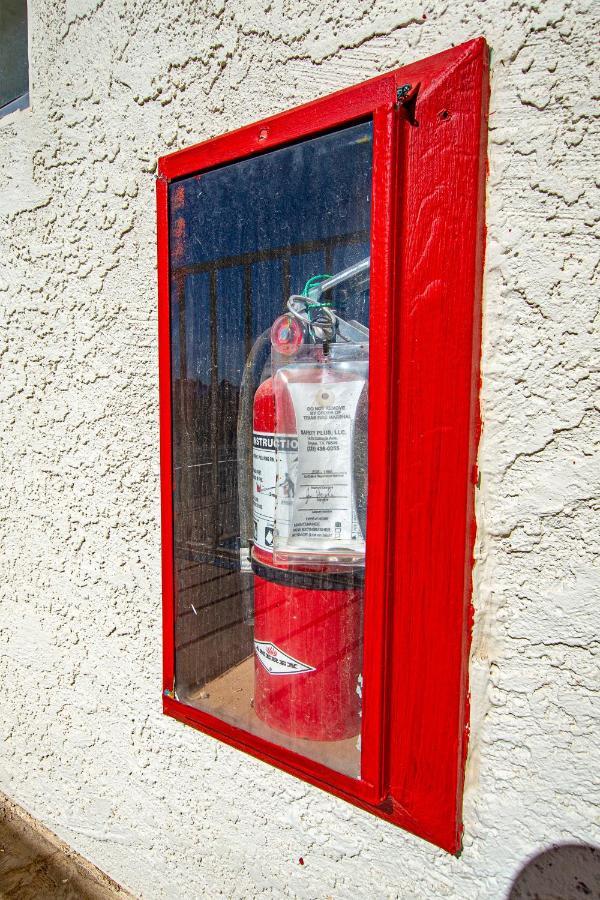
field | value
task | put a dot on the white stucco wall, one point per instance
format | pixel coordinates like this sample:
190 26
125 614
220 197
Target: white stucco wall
163 809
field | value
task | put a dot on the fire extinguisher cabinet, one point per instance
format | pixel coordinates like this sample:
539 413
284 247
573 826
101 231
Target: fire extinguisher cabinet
319 314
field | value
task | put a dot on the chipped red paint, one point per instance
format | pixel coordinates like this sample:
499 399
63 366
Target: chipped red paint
427 262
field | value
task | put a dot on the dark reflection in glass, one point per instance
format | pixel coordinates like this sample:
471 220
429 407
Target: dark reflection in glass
14 60
244 237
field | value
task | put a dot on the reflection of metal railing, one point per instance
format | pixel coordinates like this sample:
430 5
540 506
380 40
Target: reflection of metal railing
214 521
206 509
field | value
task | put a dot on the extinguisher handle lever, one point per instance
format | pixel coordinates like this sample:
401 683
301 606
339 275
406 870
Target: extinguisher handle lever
339 278
352 331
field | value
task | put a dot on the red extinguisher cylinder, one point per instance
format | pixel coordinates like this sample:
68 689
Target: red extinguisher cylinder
307 633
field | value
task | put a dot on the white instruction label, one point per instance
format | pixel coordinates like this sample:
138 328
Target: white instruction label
323 513
274 458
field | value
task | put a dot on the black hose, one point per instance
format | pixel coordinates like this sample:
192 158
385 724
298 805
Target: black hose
360 457
255 363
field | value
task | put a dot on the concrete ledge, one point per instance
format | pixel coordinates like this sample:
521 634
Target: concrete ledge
34 863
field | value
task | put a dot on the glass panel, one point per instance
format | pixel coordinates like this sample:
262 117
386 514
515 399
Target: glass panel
14 64
269 314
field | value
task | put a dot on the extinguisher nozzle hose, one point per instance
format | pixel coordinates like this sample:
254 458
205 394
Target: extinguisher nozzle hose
255 364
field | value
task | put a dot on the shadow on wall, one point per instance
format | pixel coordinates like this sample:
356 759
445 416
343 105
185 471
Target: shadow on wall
564 872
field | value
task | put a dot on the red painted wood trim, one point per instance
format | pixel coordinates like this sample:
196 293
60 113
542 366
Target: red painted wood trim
312 118
340 786
439 292
166 467
427 295
279 756
387 121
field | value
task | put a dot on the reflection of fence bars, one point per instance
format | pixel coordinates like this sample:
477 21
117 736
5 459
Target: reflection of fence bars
213 521
217 485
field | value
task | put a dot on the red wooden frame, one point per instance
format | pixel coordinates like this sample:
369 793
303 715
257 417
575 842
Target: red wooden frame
427 259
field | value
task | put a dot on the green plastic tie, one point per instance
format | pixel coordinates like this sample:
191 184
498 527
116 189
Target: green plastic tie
314 305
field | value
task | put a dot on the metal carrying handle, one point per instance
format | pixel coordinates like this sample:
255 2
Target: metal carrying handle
328 322
335 280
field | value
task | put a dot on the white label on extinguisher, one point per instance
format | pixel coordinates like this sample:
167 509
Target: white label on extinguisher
276 662
273 460
324 514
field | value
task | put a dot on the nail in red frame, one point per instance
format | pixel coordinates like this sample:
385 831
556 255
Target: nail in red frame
427 244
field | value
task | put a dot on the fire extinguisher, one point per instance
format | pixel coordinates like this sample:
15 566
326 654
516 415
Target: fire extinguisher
308 552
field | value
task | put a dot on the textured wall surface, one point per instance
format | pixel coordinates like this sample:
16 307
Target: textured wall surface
163 809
